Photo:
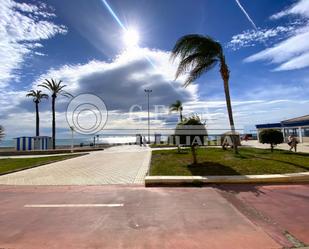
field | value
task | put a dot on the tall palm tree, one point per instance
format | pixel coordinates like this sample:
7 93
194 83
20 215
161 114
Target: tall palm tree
177 107
55 88
2 134
37 97
199 54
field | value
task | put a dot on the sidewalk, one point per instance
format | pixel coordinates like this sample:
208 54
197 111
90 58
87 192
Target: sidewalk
301 147
126 164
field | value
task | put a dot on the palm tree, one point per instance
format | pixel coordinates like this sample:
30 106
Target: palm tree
177 107
55 88
2 134
199 54
37 97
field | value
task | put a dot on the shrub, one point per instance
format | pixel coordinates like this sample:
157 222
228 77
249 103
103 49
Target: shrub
272 137
191 132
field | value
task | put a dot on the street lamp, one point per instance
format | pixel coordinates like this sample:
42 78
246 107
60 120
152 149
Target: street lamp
98 139
148 91
72 141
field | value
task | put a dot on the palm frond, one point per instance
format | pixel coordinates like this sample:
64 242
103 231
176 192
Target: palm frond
31 93
175 107
44 96
66 94
199 70
197 54
186 44
55 87
44 85
37 95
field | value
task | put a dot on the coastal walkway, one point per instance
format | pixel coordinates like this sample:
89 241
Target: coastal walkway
127 164
301 147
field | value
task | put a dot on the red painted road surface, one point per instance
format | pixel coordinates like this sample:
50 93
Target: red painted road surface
153 218
286 208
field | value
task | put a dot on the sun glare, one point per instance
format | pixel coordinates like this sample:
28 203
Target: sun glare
131 38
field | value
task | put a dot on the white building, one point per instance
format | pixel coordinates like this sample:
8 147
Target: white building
298 127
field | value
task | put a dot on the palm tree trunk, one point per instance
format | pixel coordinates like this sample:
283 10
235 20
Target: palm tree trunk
230 114
54 123
225 74
193 150
37 120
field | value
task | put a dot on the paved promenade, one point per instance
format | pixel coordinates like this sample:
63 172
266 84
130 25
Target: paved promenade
301 147
126 164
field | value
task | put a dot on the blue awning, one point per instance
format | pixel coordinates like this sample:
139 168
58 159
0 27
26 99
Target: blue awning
295 123
265 126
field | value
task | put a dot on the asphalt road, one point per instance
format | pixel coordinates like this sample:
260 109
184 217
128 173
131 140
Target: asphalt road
114 217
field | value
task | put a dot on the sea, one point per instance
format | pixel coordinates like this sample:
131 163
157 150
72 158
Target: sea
77 141
63 142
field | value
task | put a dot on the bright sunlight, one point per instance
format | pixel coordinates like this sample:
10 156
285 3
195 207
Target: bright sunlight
131 38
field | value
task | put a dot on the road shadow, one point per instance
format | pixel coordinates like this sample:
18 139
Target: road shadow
239 188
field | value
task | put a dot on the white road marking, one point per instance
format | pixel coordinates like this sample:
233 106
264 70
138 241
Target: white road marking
71 205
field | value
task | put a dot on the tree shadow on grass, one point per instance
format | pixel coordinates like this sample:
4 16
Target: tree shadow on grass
208 168
282 161
297 153
282 152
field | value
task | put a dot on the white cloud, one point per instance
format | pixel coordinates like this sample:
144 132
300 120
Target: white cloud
300 8
250 38
289 53
121 82
21 29
293 52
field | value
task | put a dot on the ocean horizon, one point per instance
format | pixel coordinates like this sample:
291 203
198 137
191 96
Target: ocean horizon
77 141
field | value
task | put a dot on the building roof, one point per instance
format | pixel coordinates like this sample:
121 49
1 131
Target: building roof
293 122
298 119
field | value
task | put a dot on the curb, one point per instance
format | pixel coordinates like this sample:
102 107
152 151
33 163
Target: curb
153 181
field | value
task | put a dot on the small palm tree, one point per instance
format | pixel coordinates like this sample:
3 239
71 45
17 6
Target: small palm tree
55 88
199 54
37 96
177 107
2 134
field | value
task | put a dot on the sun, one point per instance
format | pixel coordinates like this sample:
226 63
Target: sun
131 38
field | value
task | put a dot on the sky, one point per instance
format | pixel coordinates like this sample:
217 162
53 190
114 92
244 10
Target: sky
83 43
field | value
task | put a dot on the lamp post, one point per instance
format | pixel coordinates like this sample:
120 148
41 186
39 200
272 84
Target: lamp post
98 139
148 91
72 138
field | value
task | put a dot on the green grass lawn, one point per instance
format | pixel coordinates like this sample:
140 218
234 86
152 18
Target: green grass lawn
16 164
215 161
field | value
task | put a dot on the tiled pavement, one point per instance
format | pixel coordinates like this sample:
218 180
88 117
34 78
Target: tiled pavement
301 147
126 164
